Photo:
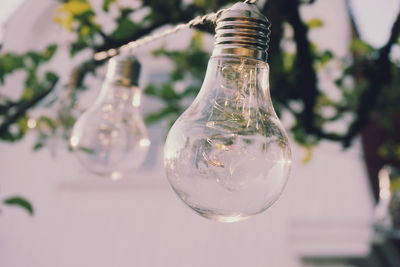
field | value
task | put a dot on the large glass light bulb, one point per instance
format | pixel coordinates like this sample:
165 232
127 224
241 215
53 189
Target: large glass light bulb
110 138
228 157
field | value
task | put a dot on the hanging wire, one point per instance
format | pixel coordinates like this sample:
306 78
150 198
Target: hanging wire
212 17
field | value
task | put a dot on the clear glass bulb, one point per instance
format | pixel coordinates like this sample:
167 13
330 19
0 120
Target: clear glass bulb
110 138
228 157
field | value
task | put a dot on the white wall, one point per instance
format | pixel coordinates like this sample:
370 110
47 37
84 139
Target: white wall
83 221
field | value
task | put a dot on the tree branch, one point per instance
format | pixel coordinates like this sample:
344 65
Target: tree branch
22 107
379 75
306 73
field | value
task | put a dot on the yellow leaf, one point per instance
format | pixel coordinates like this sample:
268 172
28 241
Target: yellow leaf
85 31
395 185
308 153
199 2
65 22
315 23
74 7
28 93
197 39
66 12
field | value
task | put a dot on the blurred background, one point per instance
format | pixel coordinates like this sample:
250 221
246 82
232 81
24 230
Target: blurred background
334 83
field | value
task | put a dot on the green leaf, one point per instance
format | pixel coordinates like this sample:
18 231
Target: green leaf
190 91
161 114
106 4
197 40
49 52
22 124
87 150
78 46
125 28
20 202
159 52
126 11
395 185
199 3
360 47
168 93
10 63
151 90
67 121
326 56
51 76
38 146
47 123
301 137
177 75
35 57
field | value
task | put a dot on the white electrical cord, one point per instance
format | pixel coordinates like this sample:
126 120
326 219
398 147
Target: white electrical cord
149 38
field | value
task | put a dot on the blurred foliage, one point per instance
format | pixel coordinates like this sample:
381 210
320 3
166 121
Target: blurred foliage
366 80
78 16
185 72
36 86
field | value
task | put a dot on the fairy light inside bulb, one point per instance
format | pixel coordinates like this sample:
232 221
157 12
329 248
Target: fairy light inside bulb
228 157
110 139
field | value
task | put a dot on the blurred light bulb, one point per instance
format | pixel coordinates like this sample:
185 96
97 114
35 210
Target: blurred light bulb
110 138
228 157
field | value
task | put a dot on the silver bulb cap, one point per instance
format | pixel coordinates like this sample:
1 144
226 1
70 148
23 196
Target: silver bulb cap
243 31
124 70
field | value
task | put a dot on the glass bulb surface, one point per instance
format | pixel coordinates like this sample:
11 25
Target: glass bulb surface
228 157
110 138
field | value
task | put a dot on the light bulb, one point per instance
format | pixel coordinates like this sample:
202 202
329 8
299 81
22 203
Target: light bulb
110 138
227 156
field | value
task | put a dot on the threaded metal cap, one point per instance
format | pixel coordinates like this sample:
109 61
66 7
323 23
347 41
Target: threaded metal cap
242 31
124 70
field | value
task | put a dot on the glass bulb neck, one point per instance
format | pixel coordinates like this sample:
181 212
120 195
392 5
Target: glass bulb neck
236 85
116 81
124 71
240 73
119 94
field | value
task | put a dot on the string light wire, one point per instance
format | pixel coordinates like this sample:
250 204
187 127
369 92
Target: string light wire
212 17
